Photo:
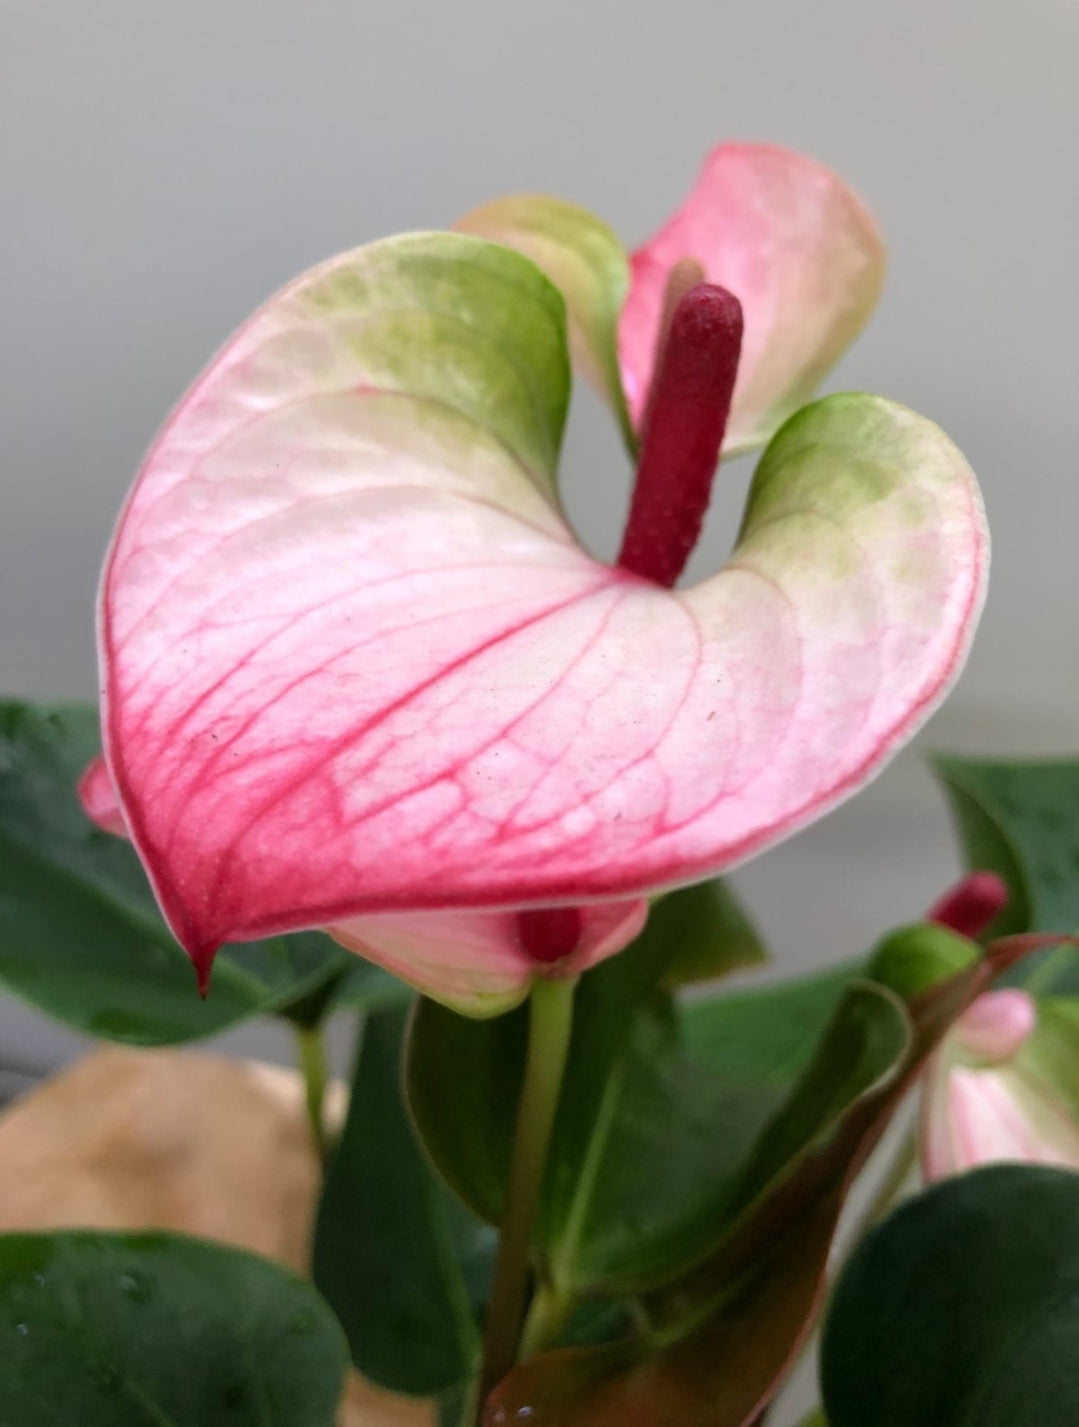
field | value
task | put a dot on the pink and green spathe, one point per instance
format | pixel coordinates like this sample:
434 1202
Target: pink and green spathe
1004 1085
359 674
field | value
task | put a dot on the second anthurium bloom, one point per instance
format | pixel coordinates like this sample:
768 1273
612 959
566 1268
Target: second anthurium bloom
1003 1087
358 674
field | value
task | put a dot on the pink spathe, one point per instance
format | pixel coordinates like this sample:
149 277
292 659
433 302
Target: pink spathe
799 251
997 1025
478 962
356 666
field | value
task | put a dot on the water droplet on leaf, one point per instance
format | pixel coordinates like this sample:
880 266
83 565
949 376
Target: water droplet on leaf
139 1287
304 1321
105 1374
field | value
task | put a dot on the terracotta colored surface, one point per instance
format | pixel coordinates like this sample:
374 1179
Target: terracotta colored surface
130 1139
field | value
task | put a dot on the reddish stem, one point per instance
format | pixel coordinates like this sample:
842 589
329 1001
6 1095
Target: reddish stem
688 406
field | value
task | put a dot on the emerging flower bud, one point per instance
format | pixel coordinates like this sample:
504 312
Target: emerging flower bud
1004 1087
971 905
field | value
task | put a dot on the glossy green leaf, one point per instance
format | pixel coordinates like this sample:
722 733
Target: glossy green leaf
1021 820
402 1263
703 932
158 1330
719 1339
768 1033
586 262
80 934
463 1079
677 1148
962 1309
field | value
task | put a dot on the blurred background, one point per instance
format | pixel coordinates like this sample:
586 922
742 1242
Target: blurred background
164 167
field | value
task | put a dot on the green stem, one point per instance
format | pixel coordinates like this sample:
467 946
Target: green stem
548 1314
313 1065
550 1023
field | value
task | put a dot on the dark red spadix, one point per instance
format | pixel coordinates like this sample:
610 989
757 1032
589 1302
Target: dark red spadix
688 406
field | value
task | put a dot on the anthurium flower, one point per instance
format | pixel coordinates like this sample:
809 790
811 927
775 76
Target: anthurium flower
478 962
1005 1083
782 232
356 666
1004 1086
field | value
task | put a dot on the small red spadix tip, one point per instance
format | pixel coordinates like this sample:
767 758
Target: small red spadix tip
970 906
547 934
688 406
202 959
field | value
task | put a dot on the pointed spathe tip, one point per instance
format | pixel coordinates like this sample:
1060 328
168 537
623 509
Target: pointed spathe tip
202 959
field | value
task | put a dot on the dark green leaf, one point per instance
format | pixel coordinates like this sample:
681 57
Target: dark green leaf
120 1330
962 1309
80 933
452 1405
463 1078
1021 820
767 1034
402 1263
703 932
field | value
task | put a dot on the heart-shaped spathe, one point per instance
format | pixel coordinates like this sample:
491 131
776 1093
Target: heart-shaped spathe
355 663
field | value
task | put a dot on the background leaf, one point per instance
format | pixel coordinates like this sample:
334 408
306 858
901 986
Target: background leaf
80 933
404 1266
962 1309
1021 820
703 932
117 1330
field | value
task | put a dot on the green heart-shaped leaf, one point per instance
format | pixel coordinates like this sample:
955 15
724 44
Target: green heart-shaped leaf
120 1330
1021 820
962 1309
80 934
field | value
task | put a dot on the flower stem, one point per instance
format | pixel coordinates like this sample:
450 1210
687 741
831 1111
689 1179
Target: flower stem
550 1023
313 1064
548 1314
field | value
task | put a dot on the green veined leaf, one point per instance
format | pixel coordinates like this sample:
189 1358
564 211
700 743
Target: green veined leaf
1021 820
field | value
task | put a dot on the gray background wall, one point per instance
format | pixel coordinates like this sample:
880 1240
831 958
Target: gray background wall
163 167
